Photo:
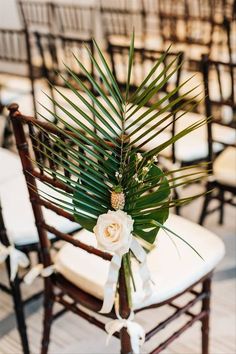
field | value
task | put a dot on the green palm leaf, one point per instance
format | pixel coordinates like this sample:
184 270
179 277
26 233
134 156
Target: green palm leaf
101 151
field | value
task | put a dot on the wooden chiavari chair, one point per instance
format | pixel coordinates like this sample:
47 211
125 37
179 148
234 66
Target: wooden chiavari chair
15 58
77 280
37 15
57 50
75 20
144 59
119 20
220 104
189 25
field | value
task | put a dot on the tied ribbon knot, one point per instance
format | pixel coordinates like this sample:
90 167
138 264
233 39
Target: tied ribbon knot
17 259
38 270
135 331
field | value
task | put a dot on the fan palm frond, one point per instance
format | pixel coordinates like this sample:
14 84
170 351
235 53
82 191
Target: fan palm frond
106 151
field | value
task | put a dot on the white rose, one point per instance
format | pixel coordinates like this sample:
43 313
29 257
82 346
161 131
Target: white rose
113 231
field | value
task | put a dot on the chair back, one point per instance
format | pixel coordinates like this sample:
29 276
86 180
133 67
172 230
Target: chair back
143 61
36 15
187 21
36 170
74 20
14 51
120 18
56 50
220 100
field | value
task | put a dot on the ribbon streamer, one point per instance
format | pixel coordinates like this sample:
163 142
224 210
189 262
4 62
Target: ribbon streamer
115 264
110 286
37 271
16 257
135 331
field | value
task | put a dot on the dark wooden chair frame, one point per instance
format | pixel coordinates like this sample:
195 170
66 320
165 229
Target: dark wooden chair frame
215 189
57 281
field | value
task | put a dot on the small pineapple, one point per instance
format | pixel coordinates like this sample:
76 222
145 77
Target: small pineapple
117 198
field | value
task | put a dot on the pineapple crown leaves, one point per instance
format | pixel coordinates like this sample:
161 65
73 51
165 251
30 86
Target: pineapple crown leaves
117 189
106 137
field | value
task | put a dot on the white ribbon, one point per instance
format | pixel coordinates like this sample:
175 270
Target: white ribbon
37 271
110 286
16 257
135 331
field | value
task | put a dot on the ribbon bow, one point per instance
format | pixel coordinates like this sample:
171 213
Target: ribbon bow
38 270
135 331
16 257
110 286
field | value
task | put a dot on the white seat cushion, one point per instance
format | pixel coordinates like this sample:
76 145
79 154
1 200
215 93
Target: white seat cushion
10 165
172 274
18 214
225 167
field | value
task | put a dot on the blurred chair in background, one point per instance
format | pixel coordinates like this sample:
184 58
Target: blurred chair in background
120 18
75 20
189 25
37 15
220 102
56 51
15 58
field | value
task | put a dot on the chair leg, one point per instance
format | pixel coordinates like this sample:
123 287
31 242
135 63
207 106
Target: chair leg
205 320
48 314
204 208
19 311
125 342
177 207
221 199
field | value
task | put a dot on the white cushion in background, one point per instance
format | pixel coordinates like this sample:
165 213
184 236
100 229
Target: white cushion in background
225 167
172 274
18 214
10 165
223 134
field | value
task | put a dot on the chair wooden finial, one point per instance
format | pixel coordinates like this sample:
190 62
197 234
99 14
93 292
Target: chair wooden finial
13 107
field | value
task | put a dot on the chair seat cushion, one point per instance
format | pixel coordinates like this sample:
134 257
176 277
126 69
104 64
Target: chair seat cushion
18 214
171 272
225 167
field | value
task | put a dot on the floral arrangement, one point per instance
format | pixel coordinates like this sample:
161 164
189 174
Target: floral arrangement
120 191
